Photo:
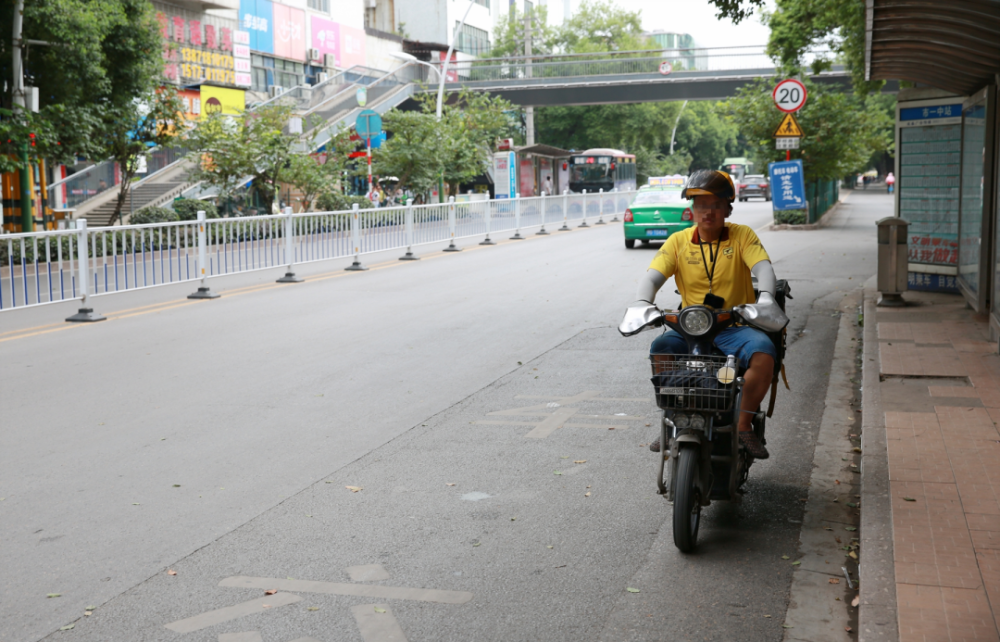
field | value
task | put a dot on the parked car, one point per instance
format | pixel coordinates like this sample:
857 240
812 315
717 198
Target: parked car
755 185
657 212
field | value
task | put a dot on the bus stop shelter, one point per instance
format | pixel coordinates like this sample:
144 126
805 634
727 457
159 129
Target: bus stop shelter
947 136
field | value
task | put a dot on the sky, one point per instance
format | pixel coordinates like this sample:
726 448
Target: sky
697 17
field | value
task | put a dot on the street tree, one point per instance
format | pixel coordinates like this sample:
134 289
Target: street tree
314 175
842 130
253 145
509 34
128 130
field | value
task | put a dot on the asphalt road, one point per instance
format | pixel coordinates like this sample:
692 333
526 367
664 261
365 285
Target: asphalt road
217 439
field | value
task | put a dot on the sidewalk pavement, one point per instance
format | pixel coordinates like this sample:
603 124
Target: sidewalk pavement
931 469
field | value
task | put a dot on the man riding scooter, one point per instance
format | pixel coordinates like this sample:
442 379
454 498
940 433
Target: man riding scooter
712 263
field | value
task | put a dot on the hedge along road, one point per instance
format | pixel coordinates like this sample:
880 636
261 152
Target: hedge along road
189 437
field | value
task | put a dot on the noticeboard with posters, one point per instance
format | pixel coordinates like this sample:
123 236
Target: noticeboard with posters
928 149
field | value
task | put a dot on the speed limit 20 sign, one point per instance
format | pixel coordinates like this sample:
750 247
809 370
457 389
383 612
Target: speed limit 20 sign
789 95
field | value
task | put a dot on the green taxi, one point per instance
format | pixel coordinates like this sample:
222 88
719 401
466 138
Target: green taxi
657 211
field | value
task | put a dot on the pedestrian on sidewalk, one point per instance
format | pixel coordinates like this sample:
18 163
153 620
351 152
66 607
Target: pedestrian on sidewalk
890 181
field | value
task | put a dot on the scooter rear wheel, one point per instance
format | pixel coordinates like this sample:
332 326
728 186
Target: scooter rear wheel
687 501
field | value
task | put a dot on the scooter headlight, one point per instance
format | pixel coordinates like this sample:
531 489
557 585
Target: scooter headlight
697 422
695 321
682 421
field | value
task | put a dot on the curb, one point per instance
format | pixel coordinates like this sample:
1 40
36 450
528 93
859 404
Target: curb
878 616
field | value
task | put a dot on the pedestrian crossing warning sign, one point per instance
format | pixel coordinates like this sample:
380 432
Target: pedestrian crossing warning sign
789 128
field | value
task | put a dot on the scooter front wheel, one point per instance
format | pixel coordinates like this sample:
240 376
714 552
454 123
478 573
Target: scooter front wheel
687 500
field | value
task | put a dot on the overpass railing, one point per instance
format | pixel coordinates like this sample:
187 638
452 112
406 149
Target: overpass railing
618 63
78 264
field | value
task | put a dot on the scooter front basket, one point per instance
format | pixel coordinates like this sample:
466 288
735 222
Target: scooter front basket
691 382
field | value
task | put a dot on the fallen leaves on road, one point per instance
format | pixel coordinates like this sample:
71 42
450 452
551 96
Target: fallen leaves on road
836 481
909 499
557 472
796 563
856 601
827 528
580 461
767 616
313 608
265 606
177 485
477 544
270 591
54 595
67 627
88 613
785 557
449 484
632 590
171 572
848 629
834 580
354 489
378 610
850 528
587 494
853 555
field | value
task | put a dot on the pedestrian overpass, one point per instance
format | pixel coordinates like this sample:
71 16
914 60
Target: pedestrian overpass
540 81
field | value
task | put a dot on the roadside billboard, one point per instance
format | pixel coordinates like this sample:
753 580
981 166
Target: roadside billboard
222 100
257 17
289 32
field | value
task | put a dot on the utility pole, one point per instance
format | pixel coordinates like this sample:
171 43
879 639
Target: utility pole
529 112
674 132
27 219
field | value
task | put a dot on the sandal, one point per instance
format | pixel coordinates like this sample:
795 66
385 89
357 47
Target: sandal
749 440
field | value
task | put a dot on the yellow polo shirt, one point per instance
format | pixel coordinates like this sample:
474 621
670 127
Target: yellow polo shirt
739 251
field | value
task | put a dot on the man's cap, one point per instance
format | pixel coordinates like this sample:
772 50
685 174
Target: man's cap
710 182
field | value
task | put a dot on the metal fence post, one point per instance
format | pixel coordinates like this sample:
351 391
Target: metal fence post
565 227
408 217
600 208
584 224
84 314
542 231
356 241
517 219
489 221
203 290
615 219
289 250
451 226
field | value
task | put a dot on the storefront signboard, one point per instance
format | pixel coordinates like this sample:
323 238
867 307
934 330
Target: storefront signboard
289 32
257 17
222 100
197 47
241 58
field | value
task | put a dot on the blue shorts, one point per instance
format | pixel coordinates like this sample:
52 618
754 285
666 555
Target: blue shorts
742 341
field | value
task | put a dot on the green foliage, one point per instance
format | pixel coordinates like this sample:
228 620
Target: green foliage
650 162
105 56
316 174
842 130
130 128
421 149
253 144
796 25
601 26
336 202
790 217
153 215
187 209
736 10
509 34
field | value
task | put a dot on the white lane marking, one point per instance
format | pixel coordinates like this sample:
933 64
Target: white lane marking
367 573
359 590
475 497
377 623
218 616
246 636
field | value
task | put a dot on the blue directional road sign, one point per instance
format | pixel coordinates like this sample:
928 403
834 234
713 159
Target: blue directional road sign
788 185
368 124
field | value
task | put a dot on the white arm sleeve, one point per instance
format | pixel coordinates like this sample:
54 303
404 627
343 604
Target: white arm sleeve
766 281
649 285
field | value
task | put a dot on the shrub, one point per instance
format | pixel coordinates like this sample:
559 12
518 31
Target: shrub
336 202
790 217
187 209
153 215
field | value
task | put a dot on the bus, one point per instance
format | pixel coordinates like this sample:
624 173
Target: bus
601 168
737 167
